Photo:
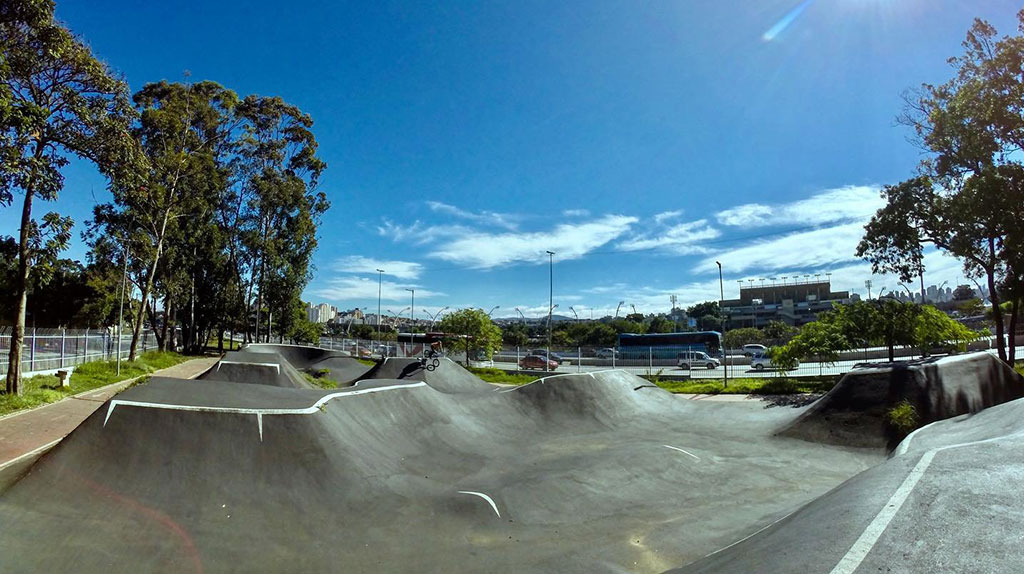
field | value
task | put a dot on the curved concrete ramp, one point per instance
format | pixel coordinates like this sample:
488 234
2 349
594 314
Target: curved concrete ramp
344 368
853 413
579 473
256 369
945 502
448 377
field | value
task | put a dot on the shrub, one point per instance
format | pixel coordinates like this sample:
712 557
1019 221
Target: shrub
903 417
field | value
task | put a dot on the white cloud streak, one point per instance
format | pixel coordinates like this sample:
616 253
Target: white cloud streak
850 203
504 220
684 238
364 289
360 264
483 250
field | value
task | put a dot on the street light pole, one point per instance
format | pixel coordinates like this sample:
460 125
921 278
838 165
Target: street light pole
120 311
725 354
492 310
412 314
551 299
380 281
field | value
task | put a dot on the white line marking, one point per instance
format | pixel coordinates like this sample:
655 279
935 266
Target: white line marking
751 535
681 450
17 459
276 366
258 412
860 549
485 497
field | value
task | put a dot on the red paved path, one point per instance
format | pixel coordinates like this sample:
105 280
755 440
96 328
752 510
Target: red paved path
38 429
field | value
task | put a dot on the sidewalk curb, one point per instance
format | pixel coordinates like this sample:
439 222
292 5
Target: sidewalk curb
104 387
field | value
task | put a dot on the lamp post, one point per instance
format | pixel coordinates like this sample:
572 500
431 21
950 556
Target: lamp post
721 299
574 313
380 280
435 316
617 307
551 298
492 310
412 314
521 316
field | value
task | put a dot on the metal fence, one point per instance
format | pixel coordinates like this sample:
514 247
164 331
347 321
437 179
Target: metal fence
641 361
49 349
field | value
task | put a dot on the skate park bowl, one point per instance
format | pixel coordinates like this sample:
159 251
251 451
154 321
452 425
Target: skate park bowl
410 470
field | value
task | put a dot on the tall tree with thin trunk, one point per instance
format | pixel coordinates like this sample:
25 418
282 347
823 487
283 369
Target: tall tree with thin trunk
56 100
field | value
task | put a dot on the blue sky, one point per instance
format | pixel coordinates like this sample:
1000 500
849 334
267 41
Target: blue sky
640 141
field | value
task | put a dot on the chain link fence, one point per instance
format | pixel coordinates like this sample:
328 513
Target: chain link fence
49 349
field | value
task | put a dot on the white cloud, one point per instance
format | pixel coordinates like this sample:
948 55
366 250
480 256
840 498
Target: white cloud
360 264
483 250
850 203
418 233
666 215
362 288
683 238
804 249
576 213
504 220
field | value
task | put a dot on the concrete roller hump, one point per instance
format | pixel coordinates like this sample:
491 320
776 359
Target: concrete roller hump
256 369
448 377
344 368
854 412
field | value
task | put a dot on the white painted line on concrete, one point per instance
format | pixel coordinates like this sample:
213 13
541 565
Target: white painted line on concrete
114 403
681 450
751 535
873 532
485 497
18 459
276 366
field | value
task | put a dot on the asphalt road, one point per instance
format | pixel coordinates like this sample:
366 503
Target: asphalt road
806 369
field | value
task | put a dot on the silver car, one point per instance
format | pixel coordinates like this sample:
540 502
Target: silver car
691 359
762 361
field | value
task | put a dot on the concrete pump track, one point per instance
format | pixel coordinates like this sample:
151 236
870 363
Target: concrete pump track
250 469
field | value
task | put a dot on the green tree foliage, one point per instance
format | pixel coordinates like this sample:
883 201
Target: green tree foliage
515 335
823 340
56 100
777 332
469 330
968 200
661 324
963 293
736 338
934 329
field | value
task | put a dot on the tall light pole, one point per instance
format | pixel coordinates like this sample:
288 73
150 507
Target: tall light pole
721 299
492 310
380 281
574 313
551 299
436 315
412 314
617 307
521 316
120 311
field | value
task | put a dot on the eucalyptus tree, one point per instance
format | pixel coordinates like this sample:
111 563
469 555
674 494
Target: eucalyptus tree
969 196
182 126
56 101
277 207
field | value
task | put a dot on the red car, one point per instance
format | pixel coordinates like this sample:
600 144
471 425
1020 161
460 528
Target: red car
537 362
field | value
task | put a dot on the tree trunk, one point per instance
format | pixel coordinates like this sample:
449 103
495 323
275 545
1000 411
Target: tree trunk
997 313
137 331
18 333
1012 351
259 285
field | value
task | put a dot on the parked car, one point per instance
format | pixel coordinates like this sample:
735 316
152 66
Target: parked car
544 353
752 349
762 361
690 359
606 353
537 362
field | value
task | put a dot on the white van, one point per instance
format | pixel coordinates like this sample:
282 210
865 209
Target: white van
690 359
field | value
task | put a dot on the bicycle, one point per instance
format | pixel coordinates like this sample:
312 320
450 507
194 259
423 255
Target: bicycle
429 362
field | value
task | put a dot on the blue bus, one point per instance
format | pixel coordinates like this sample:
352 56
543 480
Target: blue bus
668 345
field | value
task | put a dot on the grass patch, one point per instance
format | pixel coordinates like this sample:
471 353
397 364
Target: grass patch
320 378
749 386
492 375
42 389
368 362
229 345
903 417
1019 367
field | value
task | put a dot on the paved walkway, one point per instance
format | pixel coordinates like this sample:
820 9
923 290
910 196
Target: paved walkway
27 434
